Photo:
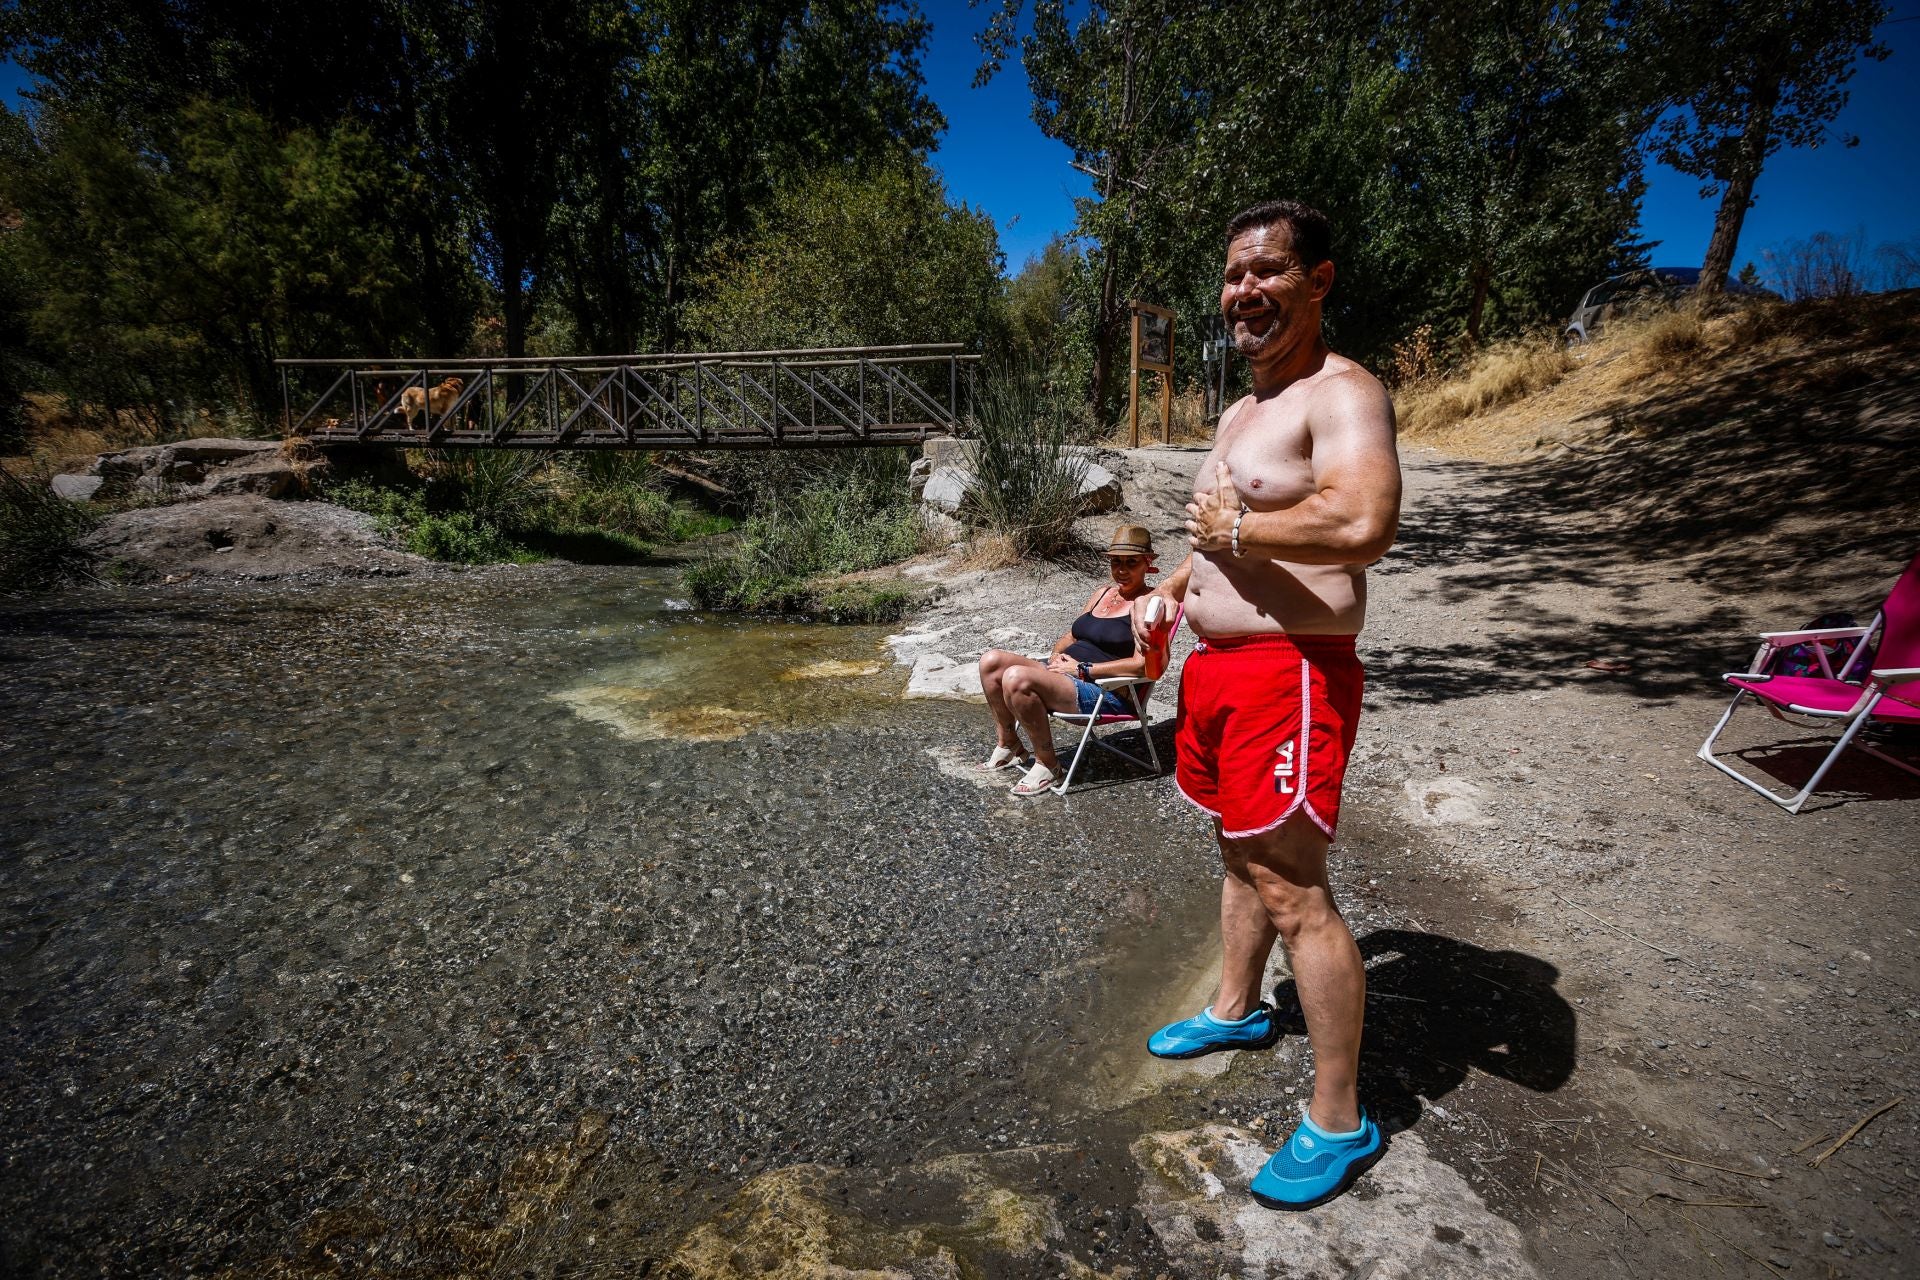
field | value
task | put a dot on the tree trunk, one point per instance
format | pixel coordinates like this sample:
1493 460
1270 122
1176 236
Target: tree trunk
1480 278
1103 334
1106 322
513 302
1750 158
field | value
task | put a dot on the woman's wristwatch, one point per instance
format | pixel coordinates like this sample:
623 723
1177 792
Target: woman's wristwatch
1086 672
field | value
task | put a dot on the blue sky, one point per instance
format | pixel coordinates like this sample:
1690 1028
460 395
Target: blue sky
995 158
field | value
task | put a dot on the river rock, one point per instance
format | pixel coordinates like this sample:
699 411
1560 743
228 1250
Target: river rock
909 645
946 484
201 469
244 537
1100 491
1410 1218
1445 802
76 488
946 489
935 675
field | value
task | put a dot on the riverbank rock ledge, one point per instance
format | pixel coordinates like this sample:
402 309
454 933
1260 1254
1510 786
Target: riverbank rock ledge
243 536
208 468
1411 1218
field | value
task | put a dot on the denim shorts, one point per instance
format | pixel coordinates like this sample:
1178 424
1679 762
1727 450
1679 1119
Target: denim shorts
1111 704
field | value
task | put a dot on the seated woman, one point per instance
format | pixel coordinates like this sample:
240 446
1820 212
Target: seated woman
1021 691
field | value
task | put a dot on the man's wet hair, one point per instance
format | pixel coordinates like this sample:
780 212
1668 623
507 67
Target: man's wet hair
1311 233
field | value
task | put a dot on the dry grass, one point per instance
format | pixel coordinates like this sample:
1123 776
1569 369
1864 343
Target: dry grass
987 550
63 437
1822 345
1669 340
1190 424
1499 376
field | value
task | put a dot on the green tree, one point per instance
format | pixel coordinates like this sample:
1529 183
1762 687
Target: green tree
1749 79
182 279
1522 122
1480 165
851 257
1040 306
742 95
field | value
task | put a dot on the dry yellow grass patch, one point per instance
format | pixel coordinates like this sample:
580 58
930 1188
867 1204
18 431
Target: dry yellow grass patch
1521 397
987 550
1498 376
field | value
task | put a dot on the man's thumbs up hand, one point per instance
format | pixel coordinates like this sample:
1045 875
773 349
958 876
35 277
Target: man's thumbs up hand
1210 520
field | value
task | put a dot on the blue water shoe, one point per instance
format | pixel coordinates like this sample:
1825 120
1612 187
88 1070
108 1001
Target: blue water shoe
1315 1166
1204 1033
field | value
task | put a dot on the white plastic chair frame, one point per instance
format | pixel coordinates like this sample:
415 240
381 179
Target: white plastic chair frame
1131 687
1855 718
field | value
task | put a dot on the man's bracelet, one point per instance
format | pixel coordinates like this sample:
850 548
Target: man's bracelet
1238 516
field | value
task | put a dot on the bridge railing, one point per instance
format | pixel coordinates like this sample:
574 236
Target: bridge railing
834 397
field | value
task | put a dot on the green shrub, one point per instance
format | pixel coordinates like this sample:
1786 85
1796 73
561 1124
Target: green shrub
463 538
476 506
791 544
39 533
500 487
1026 483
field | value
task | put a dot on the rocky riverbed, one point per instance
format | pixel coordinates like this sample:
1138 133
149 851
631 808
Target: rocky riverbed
524 921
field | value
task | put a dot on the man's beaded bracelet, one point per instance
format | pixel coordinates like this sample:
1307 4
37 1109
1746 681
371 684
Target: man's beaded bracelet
1238 516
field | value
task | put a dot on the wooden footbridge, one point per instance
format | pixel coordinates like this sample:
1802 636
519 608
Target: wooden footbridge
832 397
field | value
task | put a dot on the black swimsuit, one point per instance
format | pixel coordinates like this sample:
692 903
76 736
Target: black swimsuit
1097 639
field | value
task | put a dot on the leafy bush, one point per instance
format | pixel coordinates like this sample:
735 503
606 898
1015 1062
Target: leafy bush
419 520
39 531
500 487
793 547
1026 482
485 505
464 538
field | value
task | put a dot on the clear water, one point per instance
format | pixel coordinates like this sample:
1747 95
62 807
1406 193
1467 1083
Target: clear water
413 925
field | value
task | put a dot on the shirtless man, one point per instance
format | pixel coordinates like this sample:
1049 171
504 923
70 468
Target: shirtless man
1300 493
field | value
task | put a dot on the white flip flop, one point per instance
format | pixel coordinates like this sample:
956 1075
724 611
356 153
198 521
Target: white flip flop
1037 781
1005 758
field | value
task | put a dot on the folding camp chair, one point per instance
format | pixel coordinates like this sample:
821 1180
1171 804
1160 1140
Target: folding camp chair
1888 693
1137 691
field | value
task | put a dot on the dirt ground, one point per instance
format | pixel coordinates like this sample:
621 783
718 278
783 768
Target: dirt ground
1657 1006
1742 980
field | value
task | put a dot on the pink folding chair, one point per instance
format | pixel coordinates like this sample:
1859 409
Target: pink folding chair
1887 695
1138 693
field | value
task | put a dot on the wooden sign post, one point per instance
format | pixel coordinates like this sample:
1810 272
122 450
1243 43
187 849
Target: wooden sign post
1152 351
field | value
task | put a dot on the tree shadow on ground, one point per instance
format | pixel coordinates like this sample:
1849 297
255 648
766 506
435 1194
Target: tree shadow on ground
1438 1007
1755 474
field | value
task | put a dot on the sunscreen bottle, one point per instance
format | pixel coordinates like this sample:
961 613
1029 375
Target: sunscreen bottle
1159 632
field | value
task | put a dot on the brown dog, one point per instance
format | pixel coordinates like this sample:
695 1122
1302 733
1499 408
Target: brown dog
435 401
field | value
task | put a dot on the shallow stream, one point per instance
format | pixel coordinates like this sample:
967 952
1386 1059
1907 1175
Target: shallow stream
517 916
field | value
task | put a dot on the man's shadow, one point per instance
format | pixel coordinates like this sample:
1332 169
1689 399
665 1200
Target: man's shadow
1437 1007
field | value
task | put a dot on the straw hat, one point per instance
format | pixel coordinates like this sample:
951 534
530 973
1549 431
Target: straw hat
1131 540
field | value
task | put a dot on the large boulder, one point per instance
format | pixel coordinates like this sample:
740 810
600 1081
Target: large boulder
241 536
944 474
947 488
1100 491
935 675
202 469
76 488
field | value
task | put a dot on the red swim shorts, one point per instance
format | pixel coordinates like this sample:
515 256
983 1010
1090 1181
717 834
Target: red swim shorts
1266 722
